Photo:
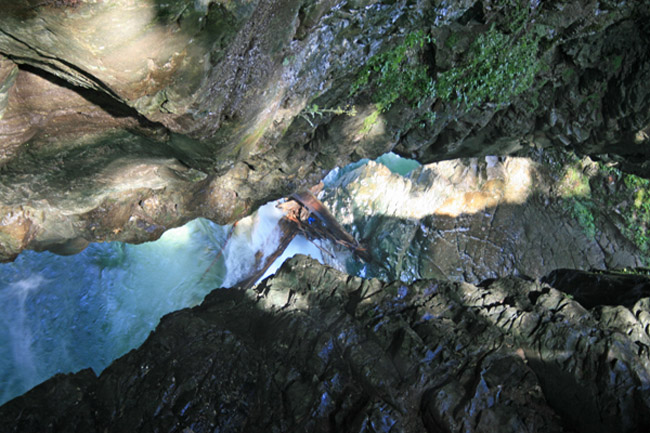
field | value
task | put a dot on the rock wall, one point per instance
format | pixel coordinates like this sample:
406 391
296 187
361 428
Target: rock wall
312 349
478 218
232 104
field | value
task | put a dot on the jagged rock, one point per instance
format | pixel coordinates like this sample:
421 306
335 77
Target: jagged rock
233 79
312 349
164 111
473 219
588 95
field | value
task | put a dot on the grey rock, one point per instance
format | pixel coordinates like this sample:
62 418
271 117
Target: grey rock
479 218
312 349
221 93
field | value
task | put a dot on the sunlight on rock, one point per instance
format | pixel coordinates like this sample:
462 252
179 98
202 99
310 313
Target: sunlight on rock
451 188
466 219
575 179
519 182
125 174
371 124
502 182
641 137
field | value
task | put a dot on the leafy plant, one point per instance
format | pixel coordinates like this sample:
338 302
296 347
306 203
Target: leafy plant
581 211
499 66
630 200
314 110
397 73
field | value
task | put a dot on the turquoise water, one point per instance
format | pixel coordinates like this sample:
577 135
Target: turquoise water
397 164
60 314
393 162
66 313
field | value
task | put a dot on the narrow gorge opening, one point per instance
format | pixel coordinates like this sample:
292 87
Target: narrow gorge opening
493 277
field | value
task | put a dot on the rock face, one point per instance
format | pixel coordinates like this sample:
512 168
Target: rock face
312 349
479 218
210 91
236 103
119 119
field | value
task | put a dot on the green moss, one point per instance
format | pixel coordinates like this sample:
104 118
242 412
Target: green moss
637 219
582 211
629 202
369 122
500 65
451 41
397 73
568 74
312 111
574 190
630 271
616 62
574 183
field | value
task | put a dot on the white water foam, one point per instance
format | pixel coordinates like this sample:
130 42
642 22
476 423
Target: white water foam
15 324
61 314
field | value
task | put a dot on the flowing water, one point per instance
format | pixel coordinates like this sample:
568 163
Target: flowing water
60 314
66 313
464 220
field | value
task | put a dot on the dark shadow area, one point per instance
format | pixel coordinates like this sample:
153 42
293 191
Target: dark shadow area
527 240
317 350
592 289
312 349
105 101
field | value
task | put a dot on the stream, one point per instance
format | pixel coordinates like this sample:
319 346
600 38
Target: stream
464 220
60 314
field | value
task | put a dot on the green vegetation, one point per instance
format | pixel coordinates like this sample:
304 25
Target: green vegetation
574 183
582 211
624 198
369 122
397 73
499 65
314 110
574 189
628 271
617 61
634 199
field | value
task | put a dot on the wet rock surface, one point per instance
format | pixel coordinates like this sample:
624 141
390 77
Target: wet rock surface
213 89
121 119
255 97
312 349
469 220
